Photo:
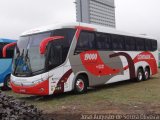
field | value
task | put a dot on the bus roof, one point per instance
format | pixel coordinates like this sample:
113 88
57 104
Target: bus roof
98 28
7 40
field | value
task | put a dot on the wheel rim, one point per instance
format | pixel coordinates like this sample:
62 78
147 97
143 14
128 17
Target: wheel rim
140 76
146 74
80 85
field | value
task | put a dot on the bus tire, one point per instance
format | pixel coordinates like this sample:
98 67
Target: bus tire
80 85
140 75
7 83
147 73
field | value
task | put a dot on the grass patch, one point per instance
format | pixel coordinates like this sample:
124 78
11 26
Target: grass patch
129 93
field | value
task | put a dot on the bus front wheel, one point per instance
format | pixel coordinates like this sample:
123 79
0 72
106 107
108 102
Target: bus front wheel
80 85
7 85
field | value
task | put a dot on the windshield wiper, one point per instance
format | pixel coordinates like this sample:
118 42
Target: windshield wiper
17 60
27 62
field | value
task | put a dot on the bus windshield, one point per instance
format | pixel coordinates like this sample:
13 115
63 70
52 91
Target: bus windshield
27 58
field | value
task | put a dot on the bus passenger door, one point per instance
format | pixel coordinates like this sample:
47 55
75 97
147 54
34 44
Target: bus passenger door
54 65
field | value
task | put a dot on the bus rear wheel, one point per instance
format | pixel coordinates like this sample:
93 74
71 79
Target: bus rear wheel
147 74
80 85
7 85
140 75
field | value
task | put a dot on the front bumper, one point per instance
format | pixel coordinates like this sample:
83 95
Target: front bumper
38 89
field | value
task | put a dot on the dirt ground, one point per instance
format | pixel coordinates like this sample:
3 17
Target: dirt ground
76 112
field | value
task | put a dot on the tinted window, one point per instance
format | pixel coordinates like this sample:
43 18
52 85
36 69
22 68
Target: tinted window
66 42
148 44
86 41
67 33
10 51
154 45
103 41
118 42
1 47
55 55
130 43
58 50
140 44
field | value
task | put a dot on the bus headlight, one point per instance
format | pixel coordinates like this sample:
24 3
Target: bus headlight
37 81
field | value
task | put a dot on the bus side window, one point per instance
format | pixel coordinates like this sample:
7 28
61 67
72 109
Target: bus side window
103 41
54 55
140 44
130 43
154 45
133 44
85 42
148 44
67 33
118 43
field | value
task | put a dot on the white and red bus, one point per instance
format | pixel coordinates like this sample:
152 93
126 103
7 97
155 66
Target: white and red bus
62 58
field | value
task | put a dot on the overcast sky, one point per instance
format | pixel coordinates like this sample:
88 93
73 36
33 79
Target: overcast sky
17 16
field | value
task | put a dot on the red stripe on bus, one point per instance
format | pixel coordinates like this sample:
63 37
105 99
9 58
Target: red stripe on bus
146 57
63 80
93 63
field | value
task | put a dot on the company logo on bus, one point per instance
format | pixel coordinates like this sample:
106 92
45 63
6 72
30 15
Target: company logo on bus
90 57
144 57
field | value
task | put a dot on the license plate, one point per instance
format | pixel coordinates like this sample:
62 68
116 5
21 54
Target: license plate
22 90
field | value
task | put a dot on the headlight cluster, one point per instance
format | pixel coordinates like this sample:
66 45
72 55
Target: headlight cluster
28 82
38 81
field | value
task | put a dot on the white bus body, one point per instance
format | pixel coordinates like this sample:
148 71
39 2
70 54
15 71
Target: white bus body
62 58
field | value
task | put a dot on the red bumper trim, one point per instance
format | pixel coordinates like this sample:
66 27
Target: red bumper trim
39 89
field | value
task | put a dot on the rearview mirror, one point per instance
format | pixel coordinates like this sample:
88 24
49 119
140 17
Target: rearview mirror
7 46
45 42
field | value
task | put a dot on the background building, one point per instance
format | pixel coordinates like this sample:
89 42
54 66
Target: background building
96 12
